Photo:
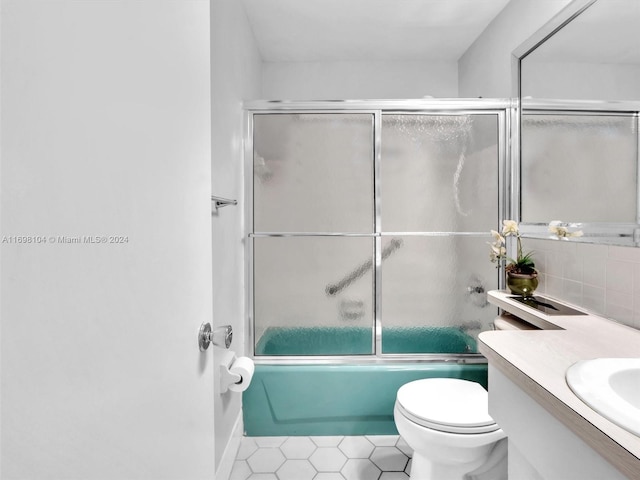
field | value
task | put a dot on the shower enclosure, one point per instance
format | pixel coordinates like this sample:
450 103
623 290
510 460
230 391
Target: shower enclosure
368 226
368 262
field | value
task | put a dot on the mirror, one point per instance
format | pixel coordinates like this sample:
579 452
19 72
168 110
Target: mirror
578 83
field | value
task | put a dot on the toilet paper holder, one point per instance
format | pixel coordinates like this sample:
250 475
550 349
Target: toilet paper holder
227 377
220 336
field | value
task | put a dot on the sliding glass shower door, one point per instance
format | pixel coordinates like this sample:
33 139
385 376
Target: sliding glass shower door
368 230
439 199
313 220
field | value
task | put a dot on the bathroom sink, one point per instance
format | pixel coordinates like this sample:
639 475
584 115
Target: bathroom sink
610 386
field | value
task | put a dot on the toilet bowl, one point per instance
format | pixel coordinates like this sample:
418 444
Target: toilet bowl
446 423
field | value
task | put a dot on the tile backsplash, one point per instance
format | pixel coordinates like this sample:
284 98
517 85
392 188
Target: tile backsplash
603 279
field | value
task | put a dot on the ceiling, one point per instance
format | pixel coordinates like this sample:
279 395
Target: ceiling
368 30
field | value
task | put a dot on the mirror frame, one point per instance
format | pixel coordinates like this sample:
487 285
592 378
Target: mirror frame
624 234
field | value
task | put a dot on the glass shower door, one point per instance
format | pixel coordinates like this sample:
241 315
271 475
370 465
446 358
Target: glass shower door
439 199
313 225
369 231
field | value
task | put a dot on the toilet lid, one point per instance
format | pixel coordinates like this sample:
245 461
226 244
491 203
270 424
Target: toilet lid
447 404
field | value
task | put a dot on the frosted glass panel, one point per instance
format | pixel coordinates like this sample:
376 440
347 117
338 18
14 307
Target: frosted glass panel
439 172
433 294
313 295
579 168
313 173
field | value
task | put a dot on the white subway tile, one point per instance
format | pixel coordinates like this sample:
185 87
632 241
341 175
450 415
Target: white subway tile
553 286
619 276
542 283
591 250
540 259
619 306
554 263
626 254
572 291
534 244
568 247
594 271
572 267
593 299
553 245
636 283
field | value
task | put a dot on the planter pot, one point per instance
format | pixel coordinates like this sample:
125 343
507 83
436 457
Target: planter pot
523 284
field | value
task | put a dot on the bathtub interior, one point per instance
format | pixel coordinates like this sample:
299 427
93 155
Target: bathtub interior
358 340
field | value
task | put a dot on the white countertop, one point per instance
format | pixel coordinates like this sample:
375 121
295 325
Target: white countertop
536 360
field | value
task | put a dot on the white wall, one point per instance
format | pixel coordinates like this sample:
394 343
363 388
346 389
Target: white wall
485 68
359 80
235 77
105 131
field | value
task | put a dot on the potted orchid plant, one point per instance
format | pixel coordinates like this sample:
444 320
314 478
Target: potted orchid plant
522 276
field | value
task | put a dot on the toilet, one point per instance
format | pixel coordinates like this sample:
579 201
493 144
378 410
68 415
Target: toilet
447 424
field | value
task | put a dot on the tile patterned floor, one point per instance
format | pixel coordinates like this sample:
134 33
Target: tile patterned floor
371 457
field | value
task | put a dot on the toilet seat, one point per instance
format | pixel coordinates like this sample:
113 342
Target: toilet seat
447 404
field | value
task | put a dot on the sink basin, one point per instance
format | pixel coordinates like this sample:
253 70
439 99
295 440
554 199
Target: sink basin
610 386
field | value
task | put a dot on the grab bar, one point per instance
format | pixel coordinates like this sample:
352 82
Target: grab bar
334 288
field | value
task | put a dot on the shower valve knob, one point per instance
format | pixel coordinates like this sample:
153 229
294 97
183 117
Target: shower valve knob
220 336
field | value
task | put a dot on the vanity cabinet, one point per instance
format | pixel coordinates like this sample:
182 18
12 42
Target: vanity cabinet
540 446
553 435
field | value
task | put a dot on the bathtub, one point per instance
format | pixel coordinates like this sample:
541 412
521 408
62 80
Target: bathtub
345 398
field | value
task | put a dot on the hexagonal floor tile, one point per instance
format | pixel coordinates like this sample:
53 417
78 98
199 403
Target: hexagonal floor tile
247 448
240 470
298 448
327 459
327 441
266 460
389 459
360 468
383 440
263 476
394 476
356 447
328 476
269 442
296 470
404 447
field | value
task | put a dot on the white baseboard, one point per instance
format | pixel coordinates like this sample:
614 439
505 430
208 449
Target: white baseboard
223 471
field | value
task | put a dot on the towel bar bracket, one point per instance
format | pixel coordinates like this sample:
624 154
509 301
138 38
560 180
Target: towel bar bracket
219 202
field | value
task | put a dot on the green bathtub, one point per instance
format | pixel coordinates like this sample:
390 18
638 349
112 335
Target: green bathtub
344 399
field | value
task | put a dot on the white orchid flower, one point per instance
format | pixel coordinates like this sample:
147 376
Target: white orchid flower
497 237
561 231
497 251
509 227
